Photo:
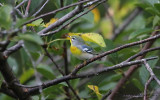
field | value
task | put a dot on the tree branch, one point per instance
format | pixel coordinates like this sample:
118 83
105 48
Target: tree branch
141 53
151 72
130 18
20 4
40 8
12 49
146 86
112 51
132 69
11 79
34 90
63 26
55 11
59 69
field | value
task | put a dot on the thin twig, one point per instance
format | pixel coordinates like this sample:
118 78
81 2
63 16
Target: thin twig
65 58
55 11
63 19
106 95
110 17
59 69
156 94
129 19
133 68
34 91
20 4
11 79
141 53
1 4
63 26
12 49
151 72
146 86
50 57
9 93
34 64
27 8
112 51
61 3
19 13
40 8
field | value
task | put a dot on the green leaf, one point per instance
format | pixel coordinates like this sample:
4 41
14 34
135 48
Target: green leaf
31 37
89 17
156 21
53 89
20 22
108 86
32 47
5 16
152 10
143 73
138 84
36 23
157 6
26 75
110 45
140 32
46 71
32 41
152 2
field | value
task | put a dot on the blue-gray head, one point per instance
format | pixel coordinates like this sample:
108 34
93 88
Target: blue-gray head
76 40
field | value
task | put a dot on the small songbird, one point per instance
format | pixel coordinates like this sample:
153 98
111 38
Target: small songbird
79 49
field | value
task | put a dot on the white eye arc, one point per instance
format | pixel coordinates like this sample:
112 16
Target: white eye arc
73 38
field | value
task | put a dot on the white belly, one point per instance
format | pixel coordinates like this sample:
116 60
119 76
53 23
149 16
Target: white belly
85 56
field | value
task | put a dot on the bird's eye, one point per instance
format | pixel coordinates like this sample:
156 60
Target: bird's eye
73 38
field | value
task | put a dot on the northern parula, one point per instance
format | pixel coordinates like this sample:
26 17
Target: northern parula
80 49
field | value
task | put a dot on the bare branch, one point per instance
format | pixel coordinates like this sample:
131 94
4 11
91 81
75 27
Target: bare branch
8 92
34 90
130 18
50 57
11 34
5 89
133 68
151 72
27 8
63 26
11 79
61 3
112 51
20 4
40 8
142 53
146 86
106 95
65 58
59 69
12 49
55 11
109 16
156 94
1 4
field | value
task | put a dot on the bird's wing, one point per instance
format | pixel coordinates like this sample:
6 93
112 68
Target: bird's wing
86 49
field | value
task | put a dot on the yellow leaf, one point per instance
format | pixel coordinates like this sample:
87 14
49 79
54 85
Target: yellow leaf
91 37
96 14
96 90
36 23
53 20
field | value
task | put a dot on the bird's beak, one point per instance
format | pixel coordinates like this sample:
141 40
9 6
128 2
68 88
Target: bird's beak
68 37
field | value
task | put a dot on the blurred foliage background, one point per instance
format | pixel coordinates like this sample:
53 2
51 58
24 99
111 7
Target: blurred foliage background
104 19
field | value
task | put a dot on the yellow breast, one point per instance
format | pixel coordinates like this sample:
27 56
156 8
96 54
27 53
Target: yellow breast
75 50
